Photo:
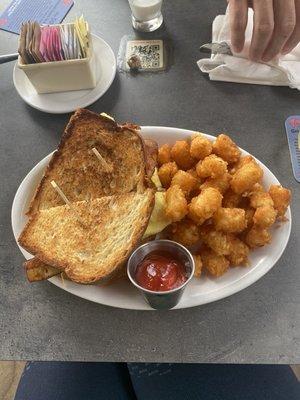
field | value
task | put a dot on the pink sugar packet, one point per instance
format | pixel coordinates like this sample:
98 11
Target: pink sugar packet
43 43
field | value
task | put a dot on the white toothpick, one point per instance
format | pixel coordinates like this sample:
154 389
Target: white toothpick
61 193
67 201
107 167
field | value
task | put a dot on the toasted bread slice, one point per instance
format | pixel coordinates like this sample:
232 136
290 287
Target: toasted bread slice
90 240
80 174
36 270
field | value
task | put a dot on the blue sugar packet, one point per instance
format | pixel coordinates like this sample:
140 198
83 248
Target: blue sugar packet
42 11
292 125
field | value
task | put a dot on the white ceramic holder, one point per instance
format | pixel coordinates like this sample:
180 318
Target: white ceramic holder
62 76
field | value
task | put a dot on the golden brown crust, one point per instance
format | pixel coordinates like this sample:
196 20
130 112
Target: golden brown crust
70 138
70 236
77 169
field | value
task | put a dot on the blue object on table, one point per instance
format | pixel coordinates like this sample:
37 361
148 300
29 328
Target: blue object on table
292 125
151 381
42 11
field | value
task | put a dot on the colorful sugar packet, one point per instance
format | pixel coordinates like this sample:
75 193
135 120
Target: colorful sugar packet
48 43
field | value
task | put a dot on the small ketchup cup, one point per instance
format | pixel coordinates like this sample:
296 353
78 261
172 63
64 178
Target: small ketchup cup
160 300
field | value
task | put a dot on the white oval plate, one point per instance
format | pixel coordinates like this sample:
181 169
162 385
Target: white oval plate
200 291
65 102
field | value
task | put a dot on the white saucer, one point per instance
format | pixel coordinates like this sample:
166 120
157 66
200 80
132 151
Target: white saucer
65 102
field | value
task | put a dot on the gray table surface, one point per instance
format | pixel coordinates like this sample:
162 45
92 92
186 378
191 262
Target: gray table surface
42 322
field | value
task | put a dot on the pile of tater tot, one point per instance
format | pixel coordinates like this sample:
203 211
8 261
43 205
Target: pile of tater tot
215 198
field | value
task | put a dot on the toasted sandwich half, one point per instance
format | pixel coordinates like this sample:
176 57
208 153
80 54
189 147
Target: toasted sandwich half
82 176
89 240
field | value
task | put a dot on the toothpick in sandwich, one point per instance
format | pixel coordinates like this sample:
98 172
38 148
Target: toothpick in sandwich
106 166
67 201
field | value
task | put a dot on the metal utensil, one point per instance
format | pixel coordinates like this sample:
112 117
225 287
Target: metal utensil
216 48
168 299
8 57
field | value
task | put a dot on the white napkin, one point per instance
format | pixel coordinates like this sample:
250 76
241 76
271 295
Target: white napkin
283 71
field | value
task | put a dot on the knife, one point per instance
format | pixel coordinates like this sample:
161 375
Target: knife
216 48
8 57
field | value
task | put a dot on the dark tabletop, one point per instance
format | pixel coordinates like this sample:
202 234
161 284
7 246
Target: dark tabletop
258 325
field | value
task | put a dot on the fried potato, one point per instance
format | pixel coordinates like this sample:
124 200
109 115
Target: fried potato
225 148
200 148
218 241
231 199
222 183
204 205
180 153
166 173
185 181
265 216
257 237
249 214
231 220
216 265
239 252
212 166
231 213
164 154
193 172
185 232
176 204
242 161
198 265
281 198
260 199
246 177
257 188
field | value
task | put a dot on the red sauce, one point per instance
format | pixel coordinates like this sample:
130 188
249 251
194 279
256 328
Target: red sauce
160 272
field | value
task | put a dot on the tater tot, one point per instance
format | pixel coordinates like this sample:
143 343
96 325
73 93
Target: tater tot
231 199
212 166
166 173
239 252
216 265
246 177
230 220
218 241
249 214
242 161
180 153
225 148
281 198
176 204
222 183
185 180
164 154
257 188
204 205
185 232
201 147
198 265
260 199
265 216
257 237
193 172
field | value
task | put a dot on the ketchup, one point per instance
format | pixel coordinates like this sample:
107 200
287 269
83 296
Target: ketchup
160 272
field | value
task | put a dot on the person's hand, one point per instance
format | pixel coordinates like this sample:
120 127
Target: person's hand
276 27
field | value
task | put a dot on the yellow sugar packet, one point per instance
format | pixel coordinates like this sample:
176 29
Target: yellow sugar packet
82 30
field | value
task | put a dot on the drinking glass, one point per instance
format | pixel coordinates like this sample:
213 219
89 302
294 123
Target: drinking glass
146 14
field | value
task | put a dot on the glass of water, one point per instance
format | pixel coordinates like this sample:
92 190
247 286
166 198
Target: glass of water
146 14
